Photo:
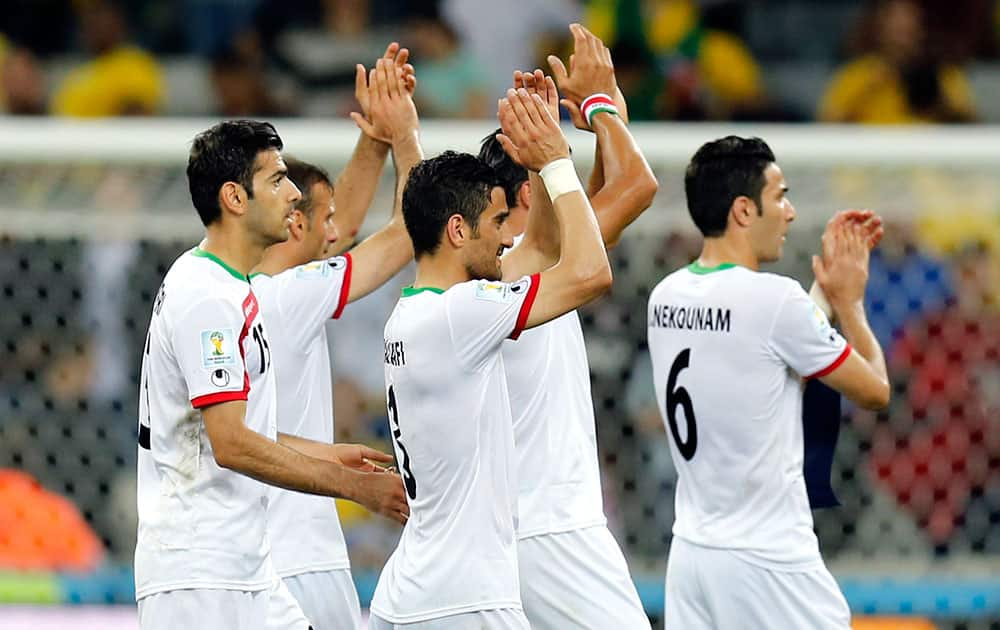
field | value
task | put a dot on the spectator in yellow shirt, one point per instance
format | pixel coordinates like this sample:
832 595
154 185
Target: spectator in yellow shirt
121 79
901 81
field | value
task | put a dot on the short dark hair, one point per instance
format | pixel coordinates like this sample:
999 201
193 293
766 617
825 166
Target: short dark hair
451 183
224 153
511 174
721 171
305 176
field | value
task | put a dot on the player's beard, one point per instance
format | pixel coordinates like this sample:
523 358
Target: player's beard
484 268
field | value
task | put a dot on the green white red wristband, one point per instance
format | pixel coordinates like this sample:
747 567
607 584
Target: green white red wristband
595 104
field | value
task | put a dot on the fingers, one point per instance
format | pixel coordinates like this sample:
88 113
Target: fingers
518 79
390 86
558 69
550 89
819 272
579 38
575 114
366 127
360 80
391 50
523 111
374 455
509 147
402 57
511 124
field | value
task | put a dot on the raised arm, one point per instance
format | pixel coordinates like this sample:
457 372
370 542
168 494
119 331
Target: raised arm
394 116
533 138
355 186
539 249
842 273
243 450
622 184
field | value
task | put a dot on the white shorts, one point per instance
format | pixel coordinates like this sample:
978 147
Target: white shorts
198 608
328 598
283 611
716 589
498 619
195 608
577 579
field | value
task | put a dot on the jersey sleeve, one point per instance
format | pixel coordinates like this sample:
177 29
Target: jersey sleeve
481 314
311 294
803 337
208 344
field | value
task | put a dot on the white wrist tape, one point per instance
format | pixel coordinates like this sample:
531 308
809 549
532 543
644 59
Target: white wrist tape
560 178
817 295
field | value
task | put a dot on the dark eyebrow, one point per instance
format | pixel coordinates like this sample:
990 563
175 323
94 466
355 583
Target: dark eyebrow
281 172
502 216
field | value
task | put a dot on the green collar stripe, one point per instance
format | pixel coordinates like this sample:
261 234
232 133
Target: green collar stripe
698 268
410 291
197 251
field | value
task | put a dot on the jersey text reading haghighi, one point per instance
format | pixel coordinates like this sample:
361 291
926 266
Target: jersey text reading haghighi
394 353
713 319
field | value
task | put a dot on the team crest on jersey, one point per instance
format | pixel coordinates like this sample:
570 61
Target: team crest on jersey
218 347
220 377
493 291
337 263
315 269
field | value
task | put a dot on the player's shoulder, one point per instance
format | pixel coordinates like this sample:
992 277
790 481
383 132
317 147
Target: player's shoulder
194 280
774 283
496 291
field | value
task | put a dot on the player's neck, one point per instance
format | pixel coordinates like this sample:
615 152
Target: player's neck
437 272
717 251
280 257
235 249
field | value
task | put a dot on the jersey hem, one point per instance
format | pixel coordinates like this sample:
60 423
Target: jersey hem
340 565
833 366
749 556
562 529
199 585
447 612
529 300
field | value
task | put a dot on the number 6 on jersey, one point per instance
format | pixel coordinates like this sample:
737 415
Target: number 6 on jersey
679 396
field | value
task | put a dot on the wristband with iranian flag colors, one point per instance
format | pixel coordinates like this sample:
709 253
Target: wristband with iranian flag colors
596 103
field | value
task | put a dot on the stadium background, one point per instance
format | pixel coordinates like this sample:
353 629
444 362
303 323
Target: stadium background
93 211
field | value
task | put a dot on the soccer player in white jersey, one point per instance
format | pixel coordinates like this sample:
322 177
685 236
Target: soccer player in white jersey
731 346
207 425
298 296
456 563
572 572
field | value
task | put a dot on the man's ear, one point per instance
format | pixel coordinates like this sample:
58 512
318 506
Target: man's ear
524 194
743 211
299 225
233 198
456 230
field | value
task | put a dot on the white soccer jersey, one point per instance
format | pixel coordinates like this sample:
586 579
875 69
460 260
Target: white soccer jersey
304 529
451 424
729 346
201 526
548 380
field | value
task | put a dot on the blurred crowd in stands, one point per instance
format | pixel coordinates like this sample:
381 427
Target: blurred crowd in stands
881 61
